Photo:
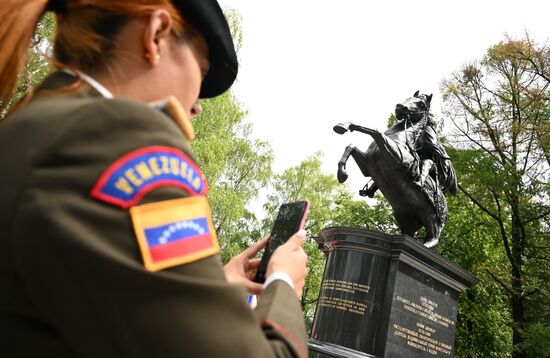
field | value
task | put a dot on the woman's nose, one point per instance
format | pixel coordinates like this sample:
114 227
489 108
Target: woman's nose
196 109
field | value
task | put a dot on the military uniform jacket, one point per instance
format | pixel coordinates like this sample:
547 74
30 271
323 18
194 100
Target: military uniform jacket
73 280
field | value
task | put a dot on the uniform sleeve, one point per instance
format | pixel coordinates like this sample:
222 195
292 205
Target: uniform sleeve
82 263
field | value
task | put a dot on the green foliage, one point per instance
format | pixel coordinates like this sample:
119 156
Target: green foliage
305 181
500 108
358 213
482 328
234 19
471 241
537 342
392 119
236 168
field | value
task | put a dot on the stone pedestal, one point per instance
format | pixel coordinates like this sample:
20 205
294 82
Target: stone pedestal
384 296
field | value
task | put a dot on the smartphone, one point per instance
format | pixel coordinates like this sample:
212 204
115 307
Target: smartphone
290 219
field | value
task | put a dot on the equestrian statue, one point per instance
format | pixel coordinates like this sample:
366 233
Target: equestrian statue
409 166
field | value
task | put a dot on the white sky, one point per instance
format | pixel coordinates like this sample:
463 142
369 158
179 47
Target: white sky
306 65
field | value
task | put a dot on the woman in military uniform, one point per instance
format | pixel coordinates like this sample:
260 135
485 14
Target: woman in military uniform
108 247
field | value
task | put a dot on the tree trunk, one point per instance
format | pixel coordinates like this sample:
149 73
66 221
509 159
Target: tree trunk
517 313
518 318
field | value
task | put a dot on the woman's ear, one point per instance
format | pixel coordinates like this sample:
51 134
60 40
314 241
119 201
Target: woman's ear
158 28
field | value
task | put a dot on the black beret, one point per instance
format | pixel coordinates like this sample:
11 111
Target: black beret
207 17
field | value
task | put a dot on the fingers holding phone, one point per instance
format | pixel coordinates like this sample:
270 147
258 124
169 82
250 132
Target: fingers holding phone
242 268
291 259
286 239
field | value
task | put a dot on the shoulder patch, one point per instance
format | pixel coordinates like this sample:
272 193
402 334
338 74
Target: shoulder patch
135 174
174 232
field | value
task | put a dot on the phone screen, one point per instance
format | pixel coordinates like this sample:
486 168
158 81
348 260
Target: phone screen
289 220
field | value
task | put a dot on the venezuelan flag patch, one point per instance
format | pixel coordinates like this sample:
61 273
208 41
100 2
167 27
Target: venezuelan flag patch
174 232
135 174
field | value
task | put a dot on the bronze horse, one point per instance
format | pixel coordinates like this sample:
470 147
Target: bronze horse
412 172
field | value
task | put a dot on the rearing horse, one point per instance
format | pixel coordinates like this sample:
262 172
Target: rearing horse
410 182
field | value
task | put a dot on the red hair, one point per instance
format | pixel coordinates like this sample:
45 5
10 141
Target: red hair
85 32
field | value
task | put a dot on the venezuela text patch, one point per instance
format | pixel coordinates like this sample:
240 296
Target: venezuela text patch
174 232
135 174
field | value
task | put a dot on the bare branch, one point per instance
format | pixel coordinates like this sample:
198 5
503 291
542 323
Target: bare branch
505 286
536 290
538 217
478 203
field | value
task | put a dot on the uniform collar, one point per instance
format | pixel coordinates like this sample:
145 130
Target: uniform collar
70 82
102 90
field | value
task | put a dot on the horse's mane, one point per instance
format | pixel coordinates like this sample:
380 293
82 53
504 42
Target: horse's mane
399 126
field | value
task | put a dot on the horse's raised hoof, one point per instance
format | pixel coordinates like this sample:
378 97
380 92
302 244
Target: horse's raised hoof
341 128
342 175
432 243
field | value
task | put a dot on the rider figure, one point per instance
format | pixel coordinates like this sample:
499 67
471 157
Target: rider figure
433 160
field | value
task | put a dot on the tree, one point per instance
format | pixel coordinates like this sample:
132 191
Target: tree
236 168
537 60
471 241
536 56
499 107
376 216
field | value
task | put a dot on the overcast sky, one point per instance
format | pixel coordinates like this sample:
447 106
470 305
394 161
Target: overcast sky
306 65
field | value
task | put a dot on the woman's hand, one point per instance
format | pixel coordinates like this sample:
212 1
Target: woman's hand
291 259
242 268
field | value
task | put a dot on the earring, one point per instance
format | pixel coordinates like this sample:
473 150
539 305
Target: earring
157 57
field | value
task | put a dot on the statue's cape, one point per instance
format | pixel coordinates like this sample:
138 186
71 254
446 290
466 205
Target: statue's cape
436 198
428 146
